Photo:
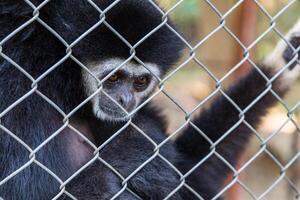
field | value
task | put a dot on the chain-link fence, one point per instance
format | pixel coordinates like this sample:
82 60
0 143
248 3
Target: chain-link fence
235 177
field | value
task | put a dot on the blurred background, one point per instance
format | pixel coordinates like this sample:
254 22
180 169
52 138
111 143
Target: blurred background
196 19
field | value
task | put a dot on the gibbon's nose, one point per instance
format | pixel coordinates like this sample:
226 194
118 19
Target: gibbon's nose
127 101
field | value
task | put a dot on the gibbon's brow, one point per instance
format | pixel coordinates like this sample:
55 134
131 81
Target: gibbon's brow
124 72
121 72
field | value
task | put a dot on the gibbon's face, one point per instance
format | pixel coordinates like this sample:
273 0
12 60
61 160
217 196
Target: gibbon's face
128 86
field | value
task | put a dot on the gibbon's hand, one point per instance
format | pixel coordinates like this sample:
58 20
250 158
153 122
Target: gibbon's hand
287 55
293 53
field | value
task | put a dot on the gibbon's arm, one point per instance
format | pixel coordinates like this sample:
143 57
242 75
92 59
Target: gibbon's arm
222 115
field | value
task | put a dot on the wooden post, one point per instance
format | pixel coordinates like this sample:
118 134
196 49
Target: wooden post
247 35
248 25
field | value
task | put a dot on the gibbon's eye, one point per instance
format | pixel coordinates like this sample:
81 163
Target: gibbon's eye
141 82
113 78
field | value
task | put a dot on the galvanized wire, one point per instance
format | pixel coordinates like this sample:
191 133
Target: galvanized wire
219 82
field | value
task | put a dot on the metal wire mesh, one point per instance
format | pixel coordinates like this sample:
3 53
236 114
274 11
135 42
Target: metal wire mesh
219 82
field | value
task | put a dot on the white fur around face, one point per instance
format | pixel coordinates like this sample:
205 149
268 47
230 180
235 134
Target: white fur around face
276 61
91 84
133 69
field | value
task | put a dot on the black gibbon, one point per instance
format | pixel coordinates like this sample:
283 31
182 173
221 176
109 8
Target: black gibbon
51 56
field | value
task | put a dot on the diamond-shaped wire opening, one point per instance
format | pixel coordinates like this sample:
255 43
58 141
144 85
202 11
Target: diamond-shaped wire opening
156 154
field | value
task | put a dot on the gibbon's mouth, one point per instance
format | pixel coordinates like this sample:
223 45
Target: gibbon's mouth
110 114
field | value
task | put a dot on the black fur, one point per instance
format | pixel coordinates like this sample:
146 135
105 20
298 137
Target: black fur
289 53
33 120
